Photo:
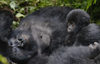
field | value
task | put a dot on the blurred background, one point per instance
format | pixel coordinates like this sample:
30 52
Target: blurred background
21 8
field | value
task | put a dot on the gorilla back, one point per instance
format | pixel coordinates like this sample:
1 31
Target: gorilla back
46 28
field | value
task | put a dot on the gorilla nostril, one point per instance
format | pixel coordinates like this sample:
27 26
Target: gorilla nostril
10 44
19 39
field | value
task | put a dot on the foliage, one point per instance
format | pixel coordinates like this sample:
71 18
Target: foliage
3 60
90 2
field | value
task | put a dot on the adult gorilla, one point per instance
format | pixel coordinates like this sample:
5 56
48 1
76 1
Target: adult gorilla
41 31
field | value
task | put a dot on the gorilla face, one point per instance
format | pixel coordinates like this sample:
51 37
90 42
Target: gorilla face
19 39
71 27
22 46
19 55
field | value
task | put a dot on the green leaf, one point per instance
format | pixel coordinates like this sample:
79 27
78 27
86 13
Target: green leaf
4 2
20 15
89 4
3 60
13 5
94 1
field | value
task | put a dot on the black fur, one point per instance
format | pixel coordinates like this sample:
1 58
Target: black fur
70 55
74 55
6 19
88 35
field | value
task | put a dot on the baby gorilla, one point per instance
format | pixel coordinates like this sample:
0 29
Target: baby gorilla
81 32
70 55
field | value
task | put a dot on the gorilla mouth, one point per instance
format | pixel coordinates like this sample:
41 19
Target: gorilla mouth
17 54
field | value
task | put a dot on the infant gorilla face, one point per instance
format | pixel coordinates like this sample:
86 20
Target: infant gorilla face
71 27
22 46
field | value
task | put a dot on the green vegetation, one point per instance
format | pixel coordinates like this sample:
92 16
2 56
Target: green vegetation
3 60
20 8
